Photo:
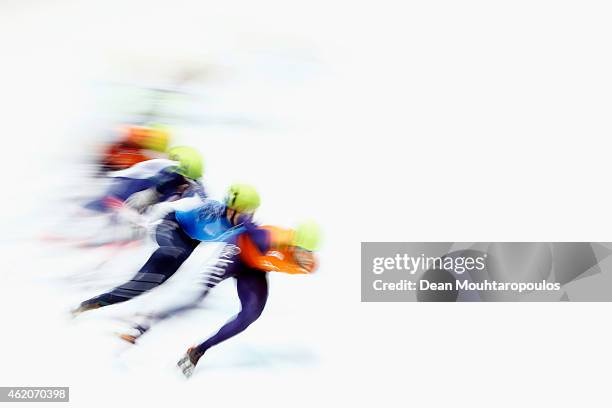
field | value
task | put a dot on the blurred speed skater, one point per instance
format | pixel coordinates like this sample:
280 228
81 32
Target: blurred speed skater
153 181
118 214
247 258
178 235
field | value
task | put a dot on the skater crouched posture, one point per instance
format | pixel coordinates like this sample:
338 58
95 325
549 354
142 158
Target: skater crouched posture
247 259
178 235
118 214
153 181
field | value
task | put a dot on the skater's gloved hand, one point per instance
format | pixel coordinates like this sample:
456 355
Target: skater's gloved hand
141 200
304 258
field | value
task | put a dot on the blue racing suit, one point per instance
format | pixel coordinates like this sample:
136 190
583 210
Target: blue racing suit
177 235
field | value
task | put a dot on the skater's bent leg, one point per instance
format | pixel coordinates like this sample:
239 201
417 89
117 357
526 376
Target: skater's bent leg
252 288
161 265
210 278
175 247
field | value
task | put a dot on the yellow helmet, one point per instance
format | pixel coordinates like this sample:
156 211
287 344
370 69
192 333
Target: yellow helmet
242 198
191 161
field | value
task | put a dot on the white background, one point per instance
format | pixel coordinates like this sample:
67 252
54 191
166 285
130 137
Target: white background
429 120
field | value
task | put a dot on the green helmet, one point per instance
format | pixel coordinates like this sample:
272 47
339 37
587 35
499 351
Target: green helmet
242 198
191 162
307 235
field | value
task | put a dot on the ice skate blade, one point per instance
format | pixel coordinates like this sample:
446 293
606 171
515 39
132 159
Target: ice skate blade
127 337
186 366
